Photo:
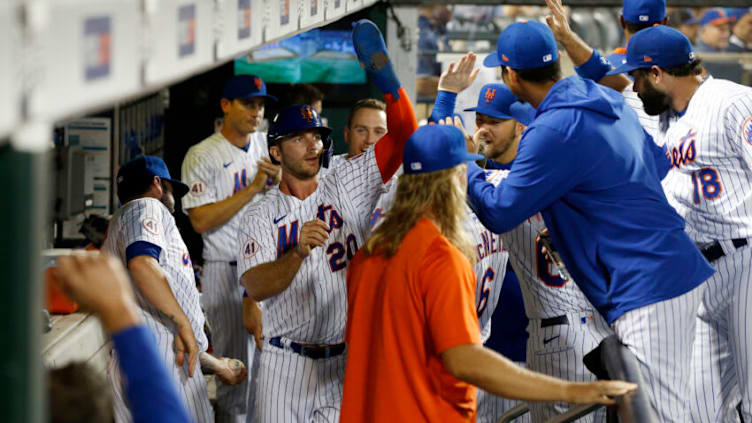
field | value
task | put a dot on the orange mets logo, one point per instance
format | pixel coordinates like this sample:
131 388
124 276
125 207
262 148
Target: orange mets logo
490 94
257 81
307 113
747 130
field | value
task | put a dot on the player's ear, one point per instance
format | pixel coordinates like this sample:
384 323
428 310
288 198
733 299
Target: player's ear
657 74
156 184
225 104
621 21
518 128
347 135
275 153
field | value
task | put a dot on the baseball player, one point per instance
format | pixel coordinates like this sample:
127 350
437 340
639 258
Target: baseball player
301 286
143 235
711 168
563 325
594 174
225 172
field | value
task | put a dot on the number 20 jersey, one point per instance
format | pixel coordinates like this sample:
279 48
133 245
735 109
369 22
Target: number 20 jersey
313 309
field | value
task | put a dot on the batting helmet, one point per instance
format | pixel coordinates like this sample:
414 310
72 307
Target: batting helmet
297 118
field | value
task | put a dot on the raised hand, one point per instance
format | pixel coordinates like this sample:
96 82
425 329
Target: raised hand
313 234
457 78
558 21
472 142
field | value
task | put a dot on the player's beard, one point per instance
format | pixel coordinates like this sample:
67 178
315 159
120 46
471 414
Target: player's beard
169 201
653 101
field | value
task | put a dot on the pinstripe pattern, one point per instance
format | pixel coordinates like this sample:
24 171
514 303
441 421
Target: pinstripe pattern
215 169
147 219
220 300
562 355
721 354
661 335
210 181
191 390
293 388
711 188
491 407
313 309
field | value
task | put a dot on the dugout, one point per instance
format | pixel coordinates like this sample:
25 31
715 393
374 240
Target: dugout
88 84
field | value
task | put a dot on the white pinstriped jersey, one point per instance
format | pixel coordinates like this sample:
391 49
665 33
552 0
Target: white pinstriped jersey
544 292
215 169
651 124
491 260
710 181
147 219
313 309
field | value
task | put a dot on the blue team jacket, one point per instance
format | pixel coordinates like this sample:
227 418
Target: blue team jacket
594 174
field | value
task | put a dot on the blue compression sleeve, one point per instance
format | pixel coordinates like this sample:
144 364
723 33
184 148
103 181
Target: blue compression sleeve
142 248
595 68
150 390
443 106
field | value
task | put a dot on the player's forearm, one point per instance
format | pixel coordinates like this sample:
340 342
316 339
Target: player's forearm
269 279
153 285
498 375
209 363
211 216
579 52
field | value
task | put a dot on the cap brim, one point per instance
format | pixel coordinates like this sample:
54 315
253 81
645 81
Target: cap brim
488 112
179 189
492 60
254 95
623 68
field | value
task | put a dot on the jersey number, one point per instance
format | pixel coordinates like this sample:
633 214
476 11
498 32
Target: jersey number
337 252
485 290
543 267
706 181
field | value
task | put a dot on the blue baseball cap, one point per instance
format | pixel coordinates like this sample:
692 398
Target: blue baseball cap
736 13
660 45
246 86
643 11
435 147
524 45
715 16
144 167
497 101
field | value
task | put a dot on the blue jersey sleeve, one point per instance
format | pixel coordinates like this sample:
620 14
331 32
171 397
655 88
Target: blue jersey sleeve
443 106
545 169
661 155
142 248
150 390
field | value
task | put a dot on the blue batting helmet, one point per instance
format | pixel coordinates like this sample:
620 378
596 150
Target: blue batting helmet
297 118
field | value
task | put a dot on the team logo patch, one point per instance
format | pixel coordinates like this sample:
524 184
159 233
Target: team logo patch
250 248
151 225
747 130
647 58
186 259
198 188
504 57
257 81
307 114
490 94
547 58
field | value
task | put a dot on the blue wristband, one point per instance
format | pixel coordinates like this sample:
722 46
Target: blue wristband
443 107
595 68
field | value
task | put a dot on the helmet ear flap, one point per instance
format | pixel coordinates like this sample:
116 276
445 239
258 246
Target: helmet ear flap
326 155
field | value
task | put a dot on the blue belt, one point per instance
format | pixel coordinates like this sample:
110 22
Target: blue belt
554 321
714 251
311 351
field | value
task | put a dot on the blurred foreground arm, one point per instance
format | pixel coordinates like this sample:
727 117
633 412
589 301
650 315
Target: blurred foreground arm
100 284
493 373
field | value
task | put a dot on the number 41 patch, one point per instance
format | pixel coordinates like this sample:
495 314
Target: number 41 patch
151 225
747 130
250 248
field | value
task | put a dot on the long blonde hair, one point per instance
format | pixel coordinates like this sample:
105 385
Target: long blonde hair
439 194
